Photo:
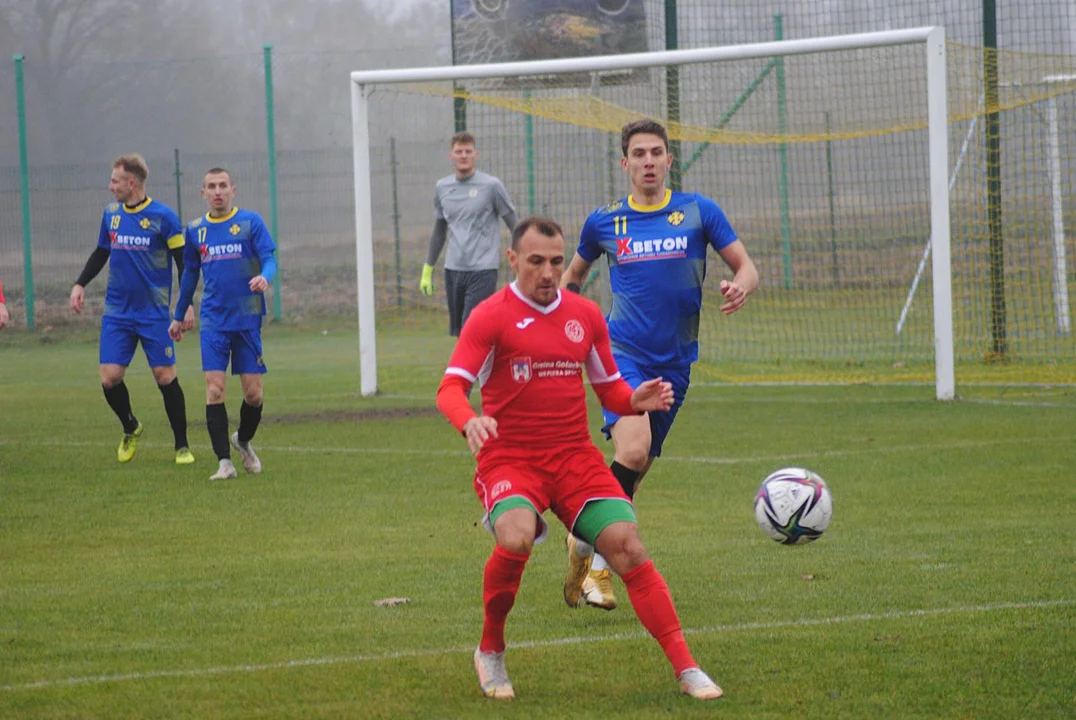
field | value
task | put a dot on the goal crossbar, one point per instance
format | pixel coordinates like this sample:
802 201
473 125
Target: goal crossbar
933 38
629 61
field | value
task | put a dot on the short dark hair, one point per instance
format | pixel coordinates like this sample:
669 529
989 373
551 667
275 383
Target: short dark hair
217 171
461 138
133 164
636 127
545 226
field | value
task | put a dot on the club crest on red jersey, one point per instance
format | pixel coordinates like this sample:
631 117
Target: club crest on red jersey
521 369
574 330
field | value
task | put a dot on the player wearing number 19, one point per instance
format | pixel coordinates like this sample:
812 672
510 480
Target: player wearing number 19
138 240
233 252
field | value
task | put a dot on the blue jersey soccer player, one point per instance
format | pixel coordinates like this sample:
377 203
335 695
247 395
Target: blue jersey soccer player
656 242
139 239
233 252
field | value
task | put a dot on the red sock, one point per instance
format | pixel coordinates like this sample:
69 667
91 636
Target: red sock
652 602
500 583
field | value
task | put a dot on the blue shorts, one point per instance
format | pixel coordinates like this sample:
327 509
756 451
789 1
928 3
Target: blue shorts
635 374
243 347
119 336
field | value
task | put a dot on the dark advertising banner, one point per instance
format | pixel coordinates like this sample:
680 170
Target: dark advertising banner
492 31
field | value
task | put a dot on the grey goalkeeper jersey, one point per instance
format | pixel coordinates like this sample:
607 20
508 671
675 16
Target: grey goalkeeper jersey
473 209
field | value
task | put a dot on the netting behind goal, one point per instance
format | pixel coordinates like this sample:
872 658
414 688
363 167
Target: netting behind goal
821 163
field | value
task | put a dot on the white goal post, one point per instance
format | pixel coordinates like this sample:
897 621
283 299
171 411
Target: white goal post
364 83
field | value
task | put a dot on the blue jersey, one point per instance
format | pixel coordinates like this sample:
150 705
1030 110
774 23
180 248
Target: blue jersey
229 251
139 262
657 265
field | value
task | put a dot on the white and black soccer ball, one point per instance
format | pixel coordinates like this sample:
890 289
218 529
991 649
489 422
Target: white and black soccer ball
793 506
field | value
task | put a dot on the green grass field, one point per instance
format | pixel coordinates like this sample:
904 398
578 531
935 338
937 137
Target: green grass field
945 587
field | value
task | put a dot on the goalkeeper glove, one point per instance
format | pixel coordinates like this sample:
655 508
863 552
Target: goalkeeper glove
426 285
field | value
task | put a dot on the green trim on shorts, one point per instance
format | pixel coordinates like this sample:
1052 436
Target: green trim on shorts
600 514
509 503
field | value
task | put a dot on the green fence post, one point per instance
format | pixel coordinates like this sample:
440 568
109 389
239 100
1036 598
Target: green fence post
832 207
528 134
672 89
782 153
24 188
727 117
179 187
992 131
270 134
396 223
459 104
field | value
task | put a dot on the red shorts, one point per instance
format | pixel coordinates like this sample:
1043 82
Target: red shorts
563 481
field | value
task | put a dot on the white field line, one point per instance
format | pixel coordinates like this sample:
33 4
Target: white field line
552 642
962 445
261 450
1024 402
414 452
853 383
1021 403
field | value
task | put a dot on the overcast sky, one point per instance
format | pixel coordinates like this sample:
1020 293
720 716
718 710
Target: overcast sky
396 10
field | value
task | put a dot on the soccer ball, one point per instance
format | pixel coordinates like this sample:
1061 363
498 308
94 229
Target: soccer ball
793 506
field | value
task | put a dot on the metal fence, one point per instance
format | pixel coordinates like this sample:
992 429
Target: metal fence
189 113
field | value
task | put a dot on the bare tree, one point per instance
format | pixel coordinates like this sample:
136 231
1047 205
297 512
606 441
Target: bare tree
68 46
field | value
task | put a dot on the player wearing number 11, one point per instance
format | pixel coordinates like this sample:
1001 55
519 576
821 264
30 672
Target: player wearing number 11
656 242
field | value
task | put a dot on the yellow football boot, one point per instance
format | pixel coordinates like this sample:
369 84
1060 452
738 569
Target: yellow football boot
129 444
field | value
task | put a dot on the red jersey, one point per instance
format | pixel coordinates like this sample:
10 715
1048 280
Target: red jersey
529 361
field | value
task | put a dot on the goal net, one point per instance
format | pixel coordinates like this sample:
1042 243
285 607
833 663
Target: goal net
834 158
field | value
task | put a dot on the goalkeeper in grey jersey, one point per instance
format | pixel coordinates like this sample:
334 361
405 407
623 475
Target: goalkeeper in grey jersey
467 206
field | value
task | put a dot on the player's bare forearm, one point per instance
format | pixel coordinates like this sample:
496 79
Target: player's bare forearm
744 281
575 274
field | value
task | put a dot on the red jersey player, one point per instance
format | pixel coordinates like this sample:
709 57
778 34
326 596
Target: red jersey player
527 347
3 309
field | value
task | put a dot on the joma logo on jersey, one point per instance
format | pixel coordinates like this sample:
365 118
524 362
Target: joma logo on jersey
129 240
225 249
500 488
645 249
